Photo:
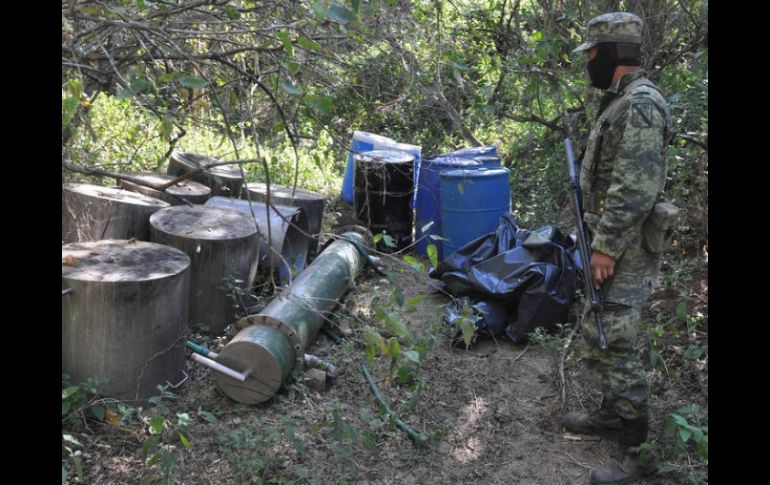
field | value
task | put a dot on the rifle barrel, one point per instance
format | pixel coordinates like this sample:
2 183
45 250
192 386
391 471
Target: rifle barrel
584 245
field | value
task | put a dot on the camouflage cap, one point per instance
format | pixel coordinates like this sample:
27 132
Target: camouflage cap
612 27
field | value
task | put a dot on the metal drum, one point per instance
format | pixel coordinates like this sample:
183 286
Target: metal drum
383 195
189 190
224 180
286 250
312 203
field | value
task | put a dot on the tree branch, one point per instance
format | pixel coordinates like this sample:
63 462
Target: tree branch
161 187
536 119
694 141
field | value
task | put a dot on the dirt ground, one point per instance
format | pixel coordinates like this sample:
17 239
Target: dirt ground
492 413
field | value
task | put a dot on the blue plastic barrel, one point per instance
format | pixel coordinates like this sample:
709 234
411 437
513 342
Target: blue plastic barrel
362 142
427 205
366 142
473 152
472 202
489 160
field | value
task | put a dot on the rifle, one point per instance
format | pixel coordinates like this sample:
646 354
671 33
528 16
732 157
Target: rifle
584 244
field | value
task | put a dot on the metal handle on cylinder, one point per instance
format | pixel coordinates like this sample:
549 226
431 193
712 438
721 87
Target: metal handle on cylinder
240 376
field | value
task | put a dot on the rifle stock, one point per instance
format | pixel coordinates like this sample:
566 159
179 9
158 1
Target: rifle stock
584 244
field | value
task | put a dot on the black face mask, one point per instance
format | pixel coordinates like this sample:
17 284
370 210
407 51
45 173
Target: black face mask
602 67
600 70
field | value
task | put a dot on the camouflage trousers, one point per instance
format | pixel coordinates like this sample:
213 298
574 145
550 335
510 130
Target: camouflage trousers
618 370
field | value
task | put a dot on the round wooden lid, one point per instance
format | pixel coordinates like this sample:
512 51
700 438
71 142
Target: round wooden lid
283 192
185 188
117 260
203 222
116 195
266 354
194 161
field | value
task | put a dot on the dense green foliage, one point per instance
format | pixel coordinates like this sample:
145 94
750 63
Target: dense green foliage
240 80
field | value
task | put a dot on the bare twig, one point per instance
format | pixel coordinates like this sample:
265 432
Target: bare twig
694 140
105 173
521 354
584 465
564 354
536 119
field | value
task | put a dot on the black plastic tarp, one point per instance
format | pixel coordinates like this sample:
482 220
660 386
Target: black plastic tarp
528 274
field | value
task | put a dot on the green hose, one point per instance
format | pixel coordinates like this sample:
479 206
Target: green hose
333 336
197 349
419 439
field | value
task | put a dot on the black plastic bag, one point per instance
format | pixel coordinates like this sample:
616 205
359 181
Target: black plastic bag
531 273
488 317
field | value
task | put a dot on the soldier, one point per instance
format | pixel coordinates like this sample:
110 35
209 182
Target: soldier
622 177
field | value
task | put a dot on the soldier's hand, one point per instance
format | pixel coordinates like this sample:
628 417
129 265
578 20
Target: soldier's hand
602 267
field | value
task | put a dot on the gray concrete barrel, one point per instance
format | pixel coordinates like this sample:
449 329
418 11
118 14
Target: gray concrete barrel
92 212
287 250
311 202
223 180
191 191
222 245
124 320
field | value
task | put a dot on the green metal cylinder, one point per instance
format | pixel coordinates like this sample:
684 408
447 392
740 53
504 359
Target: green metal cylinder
273 341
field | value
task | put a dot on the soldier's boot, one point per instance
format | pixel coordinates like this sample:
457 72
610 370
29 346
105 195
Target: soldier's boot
630 468
604 423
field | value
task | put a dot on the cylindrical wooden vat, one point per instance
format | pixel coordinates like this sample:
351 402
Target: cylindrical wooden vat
224 180
189 190
124 318
222 245
92 212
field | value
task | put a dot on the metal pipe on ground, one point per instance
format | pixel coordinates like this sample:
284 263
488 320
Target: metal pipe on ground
272 343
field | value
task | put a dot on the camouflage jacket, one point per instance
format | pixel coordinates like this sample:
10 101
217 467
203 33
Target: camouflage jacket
624 166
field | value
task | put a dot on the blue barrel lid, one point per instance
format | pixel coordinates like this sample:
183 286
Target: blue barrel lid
470 152
475 172
487 158
452 161
385 156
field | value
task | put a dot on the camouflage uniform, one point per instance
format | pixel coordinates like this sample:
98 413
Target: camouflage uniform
622 177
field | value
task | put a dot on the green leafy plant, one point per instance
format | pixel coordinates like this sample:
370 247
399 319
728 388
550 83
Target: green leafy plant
467 327
552 340
163 432
433 254
77 398
386 238
73 449
689 428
